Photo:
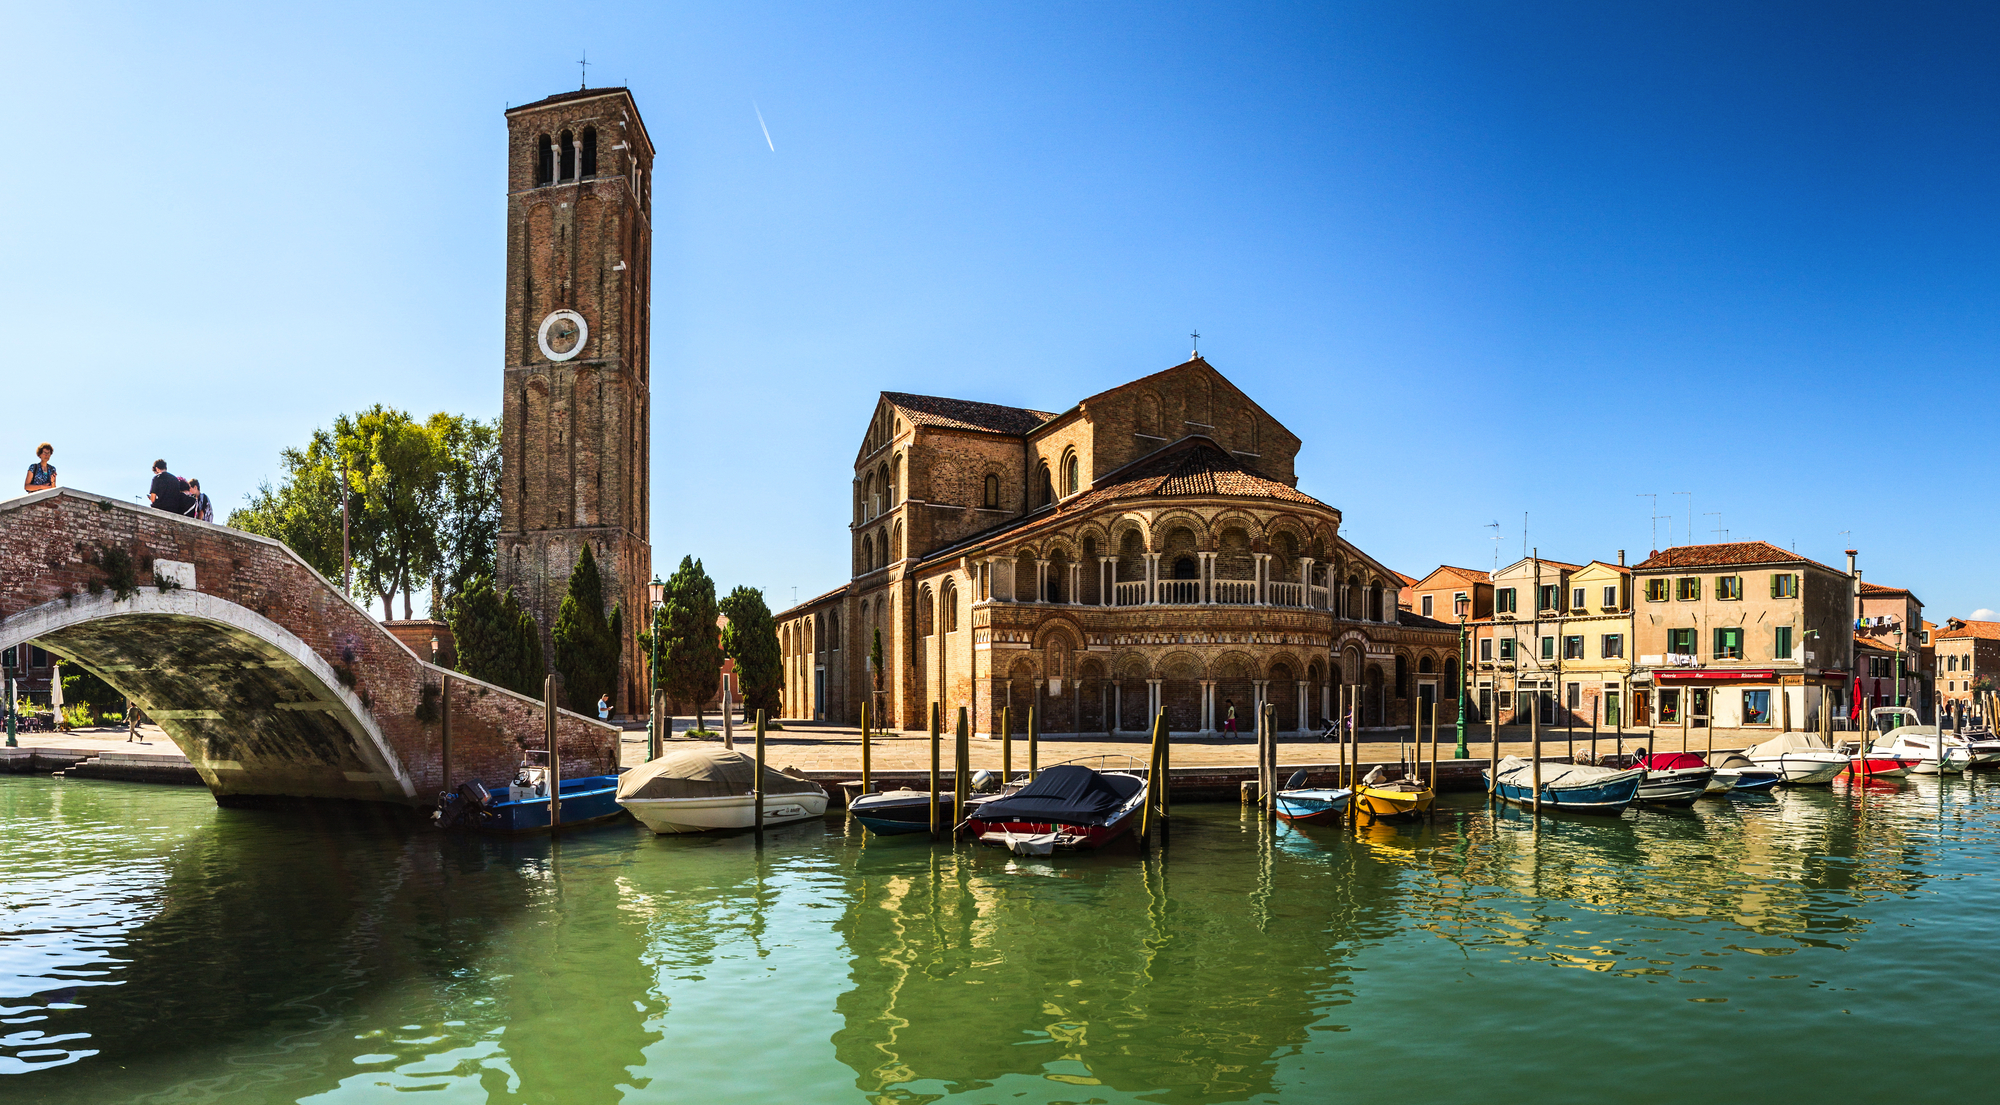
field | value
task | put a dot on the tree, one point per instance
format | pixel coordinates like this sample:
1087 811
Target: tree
303 511
751 639
586 642
398 468
690 652
497 640
468 523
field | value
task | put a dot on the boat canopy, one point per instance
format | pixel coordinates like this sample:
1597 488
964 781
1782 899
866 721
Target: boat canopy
1788 742
1672 761
1067 794
1519 772
707 772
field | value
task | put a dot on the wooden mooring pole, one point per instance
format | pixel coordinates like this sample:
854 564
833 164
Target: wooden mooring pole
1006 745
961 767
1270 760
759 791
551 685
1034 744
444 730
1535 742
867 764
934 770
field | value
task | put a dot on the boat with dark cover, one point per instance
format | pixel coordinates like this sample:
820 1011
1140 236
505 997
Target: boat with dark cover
1066 806
1575 788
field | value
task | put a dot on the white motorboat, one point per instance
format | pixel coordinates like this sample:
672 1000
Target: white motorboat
708 788
1800 759
1901 735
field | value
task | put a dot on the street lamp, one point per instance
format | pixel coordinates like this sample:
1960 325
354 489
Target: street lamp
1461 752
656 597
728 718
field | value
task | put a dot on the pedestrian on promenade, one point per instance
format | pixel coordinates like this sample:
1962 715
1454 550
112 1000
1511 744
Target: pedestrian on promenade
41 474
604 707
1229 719
167 493
198 505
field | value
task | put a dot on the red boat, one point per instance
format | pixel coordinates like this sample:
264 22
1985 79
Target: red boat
1067 806
1881 765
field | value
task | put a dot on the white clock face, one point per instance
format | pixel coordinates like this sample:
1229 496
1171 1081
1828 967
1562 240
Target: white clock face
562 335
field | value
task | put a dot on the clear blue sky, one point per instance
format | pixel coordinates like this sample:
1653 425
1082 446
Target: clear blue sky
1485 259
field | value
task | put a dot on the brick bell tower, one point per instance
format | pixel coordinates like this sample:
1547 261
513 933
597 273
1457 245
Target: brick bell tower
575 416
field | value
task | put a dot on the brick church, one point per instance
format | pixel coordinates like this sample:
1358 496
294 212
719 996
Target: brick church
575 422
1147 549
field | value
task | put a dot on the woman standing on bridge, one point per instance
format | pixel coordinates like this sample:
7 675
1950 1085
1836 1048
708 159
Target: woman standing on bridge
41 474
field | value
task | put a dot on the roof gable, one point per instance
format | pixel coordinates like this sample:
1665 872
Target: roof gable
1445 575
965 414
1195 364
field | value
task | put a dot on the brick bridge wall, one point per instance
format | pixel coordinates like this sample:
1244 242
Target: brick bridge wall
273 682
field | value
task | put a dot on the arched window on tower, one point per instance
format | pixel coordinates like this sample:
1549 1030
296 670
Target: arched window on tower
545 161
1070 475
566 165
948 606
992 499
589 152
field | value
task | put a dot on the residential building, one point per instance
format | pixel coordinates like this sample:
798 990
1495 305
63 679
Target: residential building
1740 635
1517 651
1968 655
1595 648
1449 594
1893 618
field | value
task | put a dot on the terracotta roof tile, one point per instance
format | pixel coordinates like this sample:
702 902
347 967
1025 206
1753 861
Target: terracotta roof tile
1877 589
1465 574
1726 555
965 414
1197 468
1867 645
1989 631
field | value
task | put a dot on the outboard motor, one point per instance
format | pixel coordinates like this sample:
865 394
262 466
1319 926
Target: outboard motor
467 806
985 782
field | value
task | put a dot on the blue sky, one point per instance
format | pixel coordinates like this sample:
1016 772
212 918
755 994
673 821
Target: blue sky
1485 259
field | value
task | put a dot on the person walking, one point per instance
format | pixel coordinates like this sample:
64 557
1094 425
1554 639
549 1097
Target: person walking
198 505
166 493
604 707
41 474
1229 719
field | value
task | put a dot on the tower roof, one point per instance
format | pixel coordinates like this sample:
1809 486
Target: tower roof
591 93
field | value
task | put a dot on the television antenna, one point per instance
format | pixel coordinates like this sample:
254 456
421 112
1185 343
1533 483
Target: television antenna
1720 533
1495 527
1654 510
1670 529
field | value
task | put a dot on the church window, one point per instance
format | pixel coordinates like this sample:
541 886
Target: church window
589 152
833 631
1070 482
948 607
1047 485
545 161
992 499
566 166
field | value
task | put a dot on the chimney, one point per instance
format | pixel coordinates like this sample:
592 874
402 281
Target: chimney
1621 558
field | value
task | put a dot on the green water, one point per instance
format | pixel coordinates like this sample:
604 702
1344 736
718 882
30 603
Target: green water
1816 944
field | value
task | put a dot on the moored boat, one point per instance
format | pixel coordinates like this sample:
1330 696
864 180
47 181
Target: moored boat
898 812
524 807
1749 777
1800 759
1299 804
1067 806
708 788
1672 778
1573 788
1923 745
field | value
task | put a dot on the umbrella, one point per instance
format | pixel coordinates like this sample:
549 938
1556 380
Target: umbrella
55 688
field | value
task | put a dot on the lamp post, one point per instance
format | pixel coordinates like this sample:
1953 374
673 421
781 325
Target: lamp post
656 597
728 677
1461 752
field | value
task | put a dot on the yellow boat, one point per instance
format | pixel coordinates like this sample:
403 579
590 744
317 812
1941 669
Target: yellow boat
1402 798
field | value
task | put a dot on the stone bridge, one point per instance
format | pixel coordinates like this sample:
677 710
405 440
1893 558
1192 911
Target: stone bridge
275 684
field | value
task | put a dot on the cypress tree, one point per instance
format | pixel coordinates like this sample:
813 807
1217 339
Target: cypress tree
751 639
497 640
690 652
586 642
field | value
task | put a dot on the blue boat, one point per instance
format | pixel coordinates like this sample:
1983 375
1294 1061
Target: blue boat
586 800
1320 806
1572 788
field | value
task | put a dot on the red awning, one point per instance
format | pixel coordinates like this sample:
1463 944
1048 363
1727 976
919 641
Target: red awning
1696 675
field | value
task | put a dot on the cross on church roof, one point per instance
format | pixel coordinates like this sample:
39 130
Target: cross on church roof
583 70
1196 337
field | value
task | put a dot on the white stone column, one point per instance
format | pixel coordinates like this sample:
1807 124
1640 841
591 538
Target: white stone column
1303 705
1305 588
1208 706
1263 578
1041 580
1107 581
1153 697
1076 582
1152 577
1117 705
1259 690
1207 579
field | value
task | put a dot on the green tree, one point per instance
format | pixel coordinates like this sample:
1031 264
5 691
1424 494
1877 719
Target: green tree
586 642
875 659
468 523
497 640
751 639
397 466
690 651
303 510
81 686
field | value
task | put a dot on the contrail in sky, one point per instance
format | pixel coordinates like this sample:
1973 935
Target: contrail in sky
760 123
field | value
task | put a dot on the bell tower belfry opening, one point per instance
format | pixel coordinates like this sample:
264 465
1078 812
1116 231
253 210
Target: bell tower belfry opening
575 415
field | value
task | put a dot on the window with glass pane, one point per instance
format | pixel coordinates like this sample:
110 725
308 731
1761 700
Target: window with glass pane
1757 707
1506 648
1427 606
1577 601
1576 696
1687 587
1613 646
1670 706
1486 649
1656 590
1573 647
1729 643
1680 642
1785 586
1547 596
1729 587
1503 601
1611 598
1781 645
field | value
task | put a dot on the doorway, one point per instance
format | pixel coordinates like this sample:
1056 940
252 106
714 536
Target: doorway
1698 707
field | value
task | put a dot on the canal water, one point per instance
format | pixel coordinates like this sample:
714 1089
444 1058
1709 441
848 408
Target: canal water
1817 944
